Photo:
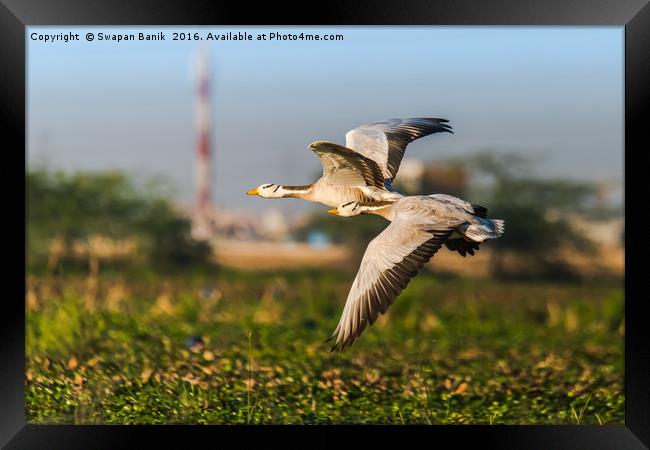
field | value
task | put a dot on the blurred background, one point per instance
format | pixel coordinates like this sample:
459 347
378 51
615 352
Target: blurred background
139 230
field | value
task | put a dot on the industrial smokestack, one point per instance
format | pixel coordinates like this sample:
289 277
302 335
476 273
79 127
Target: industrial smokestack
203 169
202 222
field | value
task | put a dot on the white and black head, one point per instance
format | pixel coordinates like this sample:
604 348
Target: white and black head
348 209
269 190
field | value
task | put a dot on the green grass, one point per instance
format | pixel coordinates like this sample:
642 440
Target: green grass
447 352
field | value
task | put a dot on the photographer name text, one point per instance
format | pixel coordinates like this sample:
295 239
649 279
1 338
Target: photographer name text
180 36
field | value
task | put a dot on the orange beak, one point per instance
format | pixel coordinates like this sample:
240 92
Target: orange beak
252 192
334 211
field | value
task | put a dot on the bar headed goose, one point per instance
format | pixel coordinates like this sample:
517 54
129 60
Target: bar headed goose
364 168
419 226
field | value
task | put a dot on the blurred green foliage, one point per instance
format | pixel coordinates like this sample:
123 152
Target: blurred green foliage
448 352
77 206
537 211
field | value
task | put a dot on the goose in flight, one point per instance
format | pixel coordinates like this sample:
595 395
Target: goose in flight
364 168
419 226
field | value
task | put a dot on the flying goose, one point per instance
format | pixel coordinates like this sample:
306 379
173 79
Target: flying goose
419 226
364 168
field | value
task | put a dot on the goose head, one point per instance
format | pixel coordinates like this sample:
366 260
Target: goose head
267 191
348 209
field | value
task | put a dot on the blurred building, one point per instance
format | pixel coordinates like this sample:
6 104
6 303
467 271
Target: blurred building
445 179
608 232
410 174
416 177
318 239
273 225
217 223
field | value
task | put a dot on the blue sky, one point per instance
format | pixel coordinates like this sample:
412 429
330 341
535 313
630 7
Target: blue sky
550 91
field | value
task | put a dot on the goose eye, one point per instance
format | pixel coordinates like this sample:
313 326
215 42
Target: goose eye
266 186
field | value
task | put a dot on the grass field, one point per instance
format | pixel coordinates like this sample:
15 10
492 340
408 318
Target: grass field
115 350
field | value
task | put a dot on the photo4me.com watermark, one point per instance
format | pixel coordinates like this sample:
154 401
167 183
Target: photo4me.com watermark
53 38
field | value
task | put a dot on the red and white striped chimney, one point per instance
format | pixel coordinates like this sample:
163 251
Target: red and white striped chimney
203 169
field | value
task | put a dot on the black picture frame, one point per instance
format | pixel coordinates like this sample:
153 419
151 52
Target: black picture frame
634 15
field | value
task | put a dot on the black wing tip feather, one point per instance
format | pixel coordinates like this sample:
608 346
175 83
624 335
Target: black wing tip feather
462 246
432 124
480 211
340 346
425 121
337 345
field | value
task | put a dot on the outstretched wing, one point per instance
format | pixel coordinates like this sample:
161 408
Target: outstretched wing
384 142
392 258
344 167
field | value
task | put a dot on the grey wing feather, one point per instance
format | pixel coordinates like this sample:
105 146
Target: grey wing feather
394 257
385 142
472 208
344 167
453 201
